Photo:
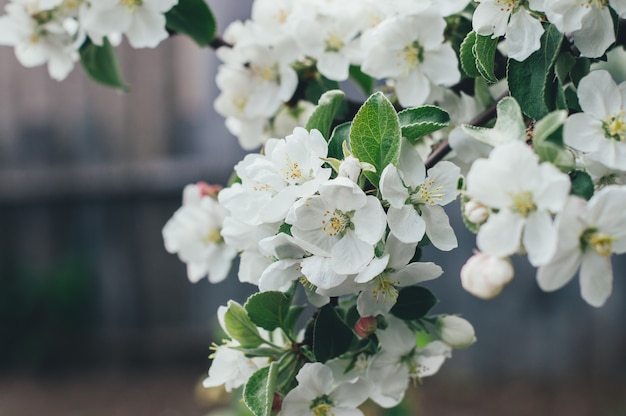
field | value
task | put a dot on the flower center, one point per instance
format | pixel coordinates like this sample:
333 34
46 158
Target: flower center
334 42
507 5
427 193
131 4
266 73
598 4
602 243
320 406
336 222
614 127
384 289
523 203
413 54
292 171
213 237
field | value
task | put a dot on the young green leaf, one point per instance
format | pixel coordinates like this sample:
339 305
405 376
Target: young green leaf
485 52
419 121
413 302
268 310
467 57
100 63
324 114
528 80
240 327
331 336
193 18
258 393
509 125
375 135
582 185
340 134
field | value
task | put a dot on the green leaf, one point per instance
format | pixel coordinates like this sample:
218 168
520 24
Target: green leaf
528 80
324 114
581 68
100 63
240 327
331 336
193 18
563 65
364 81
413 302
268 310
466 55
375 135
340 134
258 393
292 317
485 52
482 92
509 125
582 185
420 121
548 125
317 86
259 352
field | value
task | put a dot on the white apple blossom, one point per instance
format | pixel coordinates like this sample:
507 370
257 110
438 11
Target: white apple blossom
417 197
142 21
340 226
318 394
600 130
511 19
410 49
485 276
590 22
41 36
526 194
193 233
400 360
588 234
382 275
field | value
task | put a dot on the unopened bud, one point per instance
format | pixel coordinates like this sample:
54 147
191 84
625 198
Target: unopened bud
350 168
456 331
208 190
484 276
277 403
476 212
365 326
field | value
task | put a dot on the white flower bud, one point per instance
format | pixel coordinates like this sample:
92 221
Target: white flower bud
350 168
456 331
484 275
476 212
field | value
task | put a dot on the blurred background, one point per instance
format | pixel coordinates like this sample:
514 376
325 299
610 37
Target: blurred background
97 319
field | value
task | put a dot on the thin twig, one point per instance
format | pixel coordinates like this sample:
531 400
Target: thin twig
444 148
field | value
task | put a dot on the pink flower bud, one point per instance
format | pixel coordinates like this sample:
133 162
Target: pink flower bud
208 190
476 212
365 326
484 276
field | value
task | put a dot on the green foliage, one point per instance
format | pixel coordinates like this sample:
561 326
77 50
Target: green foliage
413 302
466 55
258 393
582 185
193 18
375 135
364 81
548 141
420 121
268 310
240 327
101 64
324 114
529 81
331 336
509 125
477 55
340 134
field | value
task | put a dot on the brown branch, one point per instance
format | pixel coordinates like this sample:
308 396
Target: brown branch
218 42
444 148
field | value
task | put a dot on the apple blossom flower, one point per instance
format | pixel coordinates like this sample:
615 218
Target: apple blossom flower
400 360
193 233
526 194
317 394
416 198
588 234
380 278
600 130
411 51
142 21
485 276
342 225
511 19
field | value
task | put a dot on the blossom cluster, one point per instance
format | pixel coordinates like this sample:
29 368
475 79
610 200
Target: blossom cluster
52 31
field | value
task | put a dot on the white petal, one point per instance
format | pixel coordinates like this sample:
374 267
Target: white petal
147 29
410 165
376 267
500 235
392 188
406 224
539 238
415 273
597 33
318 270
598 95
583 131
370 221
560 270
490 18
350 255
400 253
596 278
523 35
438 228
412 89
440 66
